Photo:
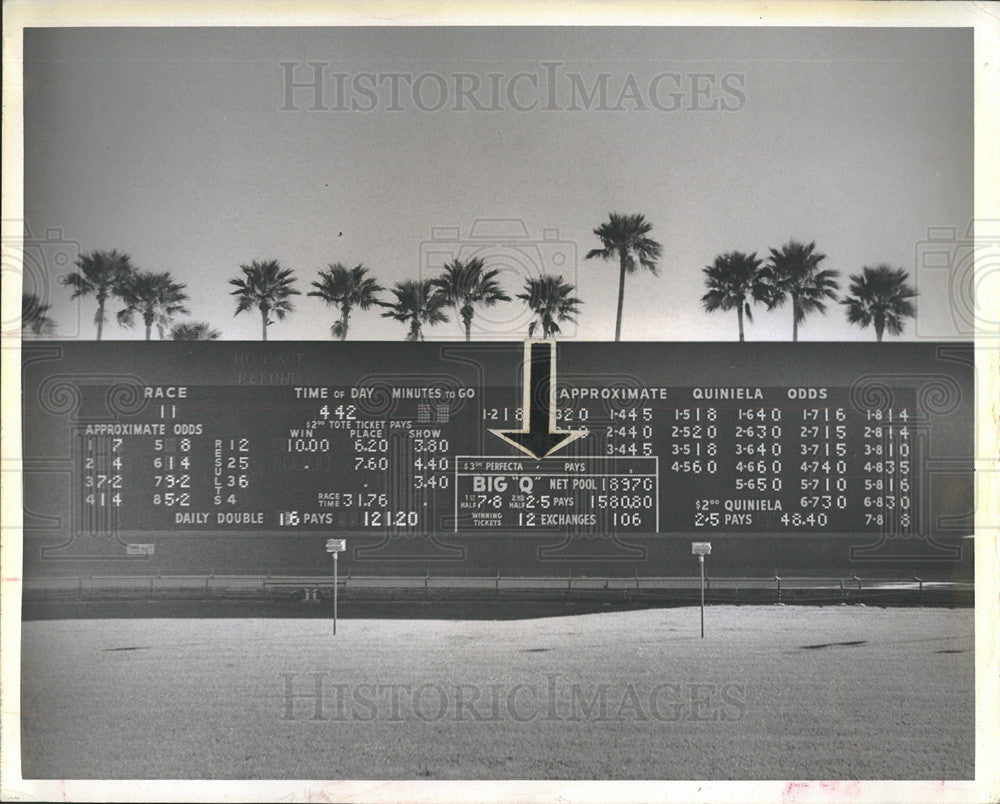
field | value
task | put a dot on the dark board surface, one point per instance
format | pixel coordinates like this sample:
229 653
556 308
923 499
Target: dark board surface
234 457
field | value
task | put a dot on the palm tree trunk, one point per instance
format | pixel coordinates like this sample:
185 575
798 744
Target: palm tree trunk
343 323
795 318
467 314
100 317
879 327
263 322
739 312
621 297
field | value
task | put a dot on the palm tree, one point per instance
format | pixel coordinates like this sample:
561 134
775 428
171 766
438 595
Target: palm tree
417 303
465 285
548 297
880 296
194 331
101 274
730 280
34 315
266 286
793 272
346 288
625 237
156 297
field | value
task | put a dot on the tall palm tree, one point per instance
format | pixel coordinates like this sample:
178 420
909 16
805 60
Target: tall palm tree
156 297
793 273
346 288
266 286
34 315
731 279
417 303
466 285
880 296
626 237
550 299
194 331
101 274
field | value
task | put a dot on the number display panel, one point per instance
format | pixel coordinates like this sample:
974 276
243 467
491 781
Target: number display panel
396 438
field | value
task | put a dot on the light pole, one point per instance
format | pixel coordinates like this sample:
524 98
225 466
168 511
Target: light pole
335 546
702 549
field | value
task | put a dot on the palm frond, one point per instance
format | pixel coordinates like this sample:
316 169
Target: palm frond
880 295
467 285
154 296
264 286
194 331
34 315
792 272
551 301
418 303
626 237
734 279
346 288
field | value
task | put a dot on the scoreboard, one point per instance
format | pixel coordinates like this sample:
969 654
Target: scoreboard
125 443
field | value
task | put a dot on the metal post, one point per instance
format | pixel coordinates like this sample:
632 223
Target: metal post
334 594
701 563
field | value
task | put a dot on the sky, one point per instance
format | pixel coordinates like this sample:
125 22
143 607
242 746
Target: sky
173 146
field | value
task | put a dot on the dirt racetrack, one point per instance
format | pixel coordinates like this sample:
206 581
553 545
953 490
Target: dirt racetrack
773 692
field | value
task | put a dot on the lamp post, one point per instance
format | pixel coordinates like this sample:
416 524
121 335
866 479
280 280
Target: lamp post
702 549
335 546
